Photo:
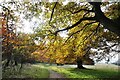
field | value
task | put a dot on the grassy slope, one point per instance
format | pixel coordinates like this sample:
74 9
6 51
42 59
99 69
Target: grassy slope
28 72
88 73
36 72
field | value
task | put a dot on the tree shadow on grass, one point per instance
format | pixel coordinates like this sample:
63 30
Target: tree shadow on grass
94 73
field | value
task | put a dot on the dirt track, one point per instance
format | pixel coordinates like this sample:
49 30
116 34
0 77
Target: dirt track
54 74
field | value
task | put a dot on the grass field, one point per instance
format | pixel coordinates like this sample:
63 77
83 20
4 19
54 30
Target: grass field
27 72
99 71
42 71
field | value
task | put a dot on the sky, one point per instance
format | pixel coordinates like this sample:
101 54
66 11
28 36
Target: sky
27 26
113 59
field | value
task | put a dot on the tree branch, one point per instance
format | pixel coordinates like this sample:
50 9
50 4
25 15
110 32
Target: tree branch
52 12
90 35
80 11
111 25
84 27
77 23
8 10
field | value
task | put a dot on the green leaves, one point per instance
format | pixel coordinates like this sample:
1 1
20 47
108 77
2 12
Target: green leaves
55 16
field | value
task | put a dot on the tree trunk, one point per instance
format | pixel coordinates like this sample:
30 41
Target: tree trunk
111 25
79 64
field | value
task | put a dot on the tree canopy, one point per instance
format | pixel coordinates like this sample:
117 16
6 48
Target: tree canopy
63 32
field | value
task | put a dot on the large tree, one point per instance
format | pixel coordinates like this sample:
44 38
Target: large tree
106 14
87 20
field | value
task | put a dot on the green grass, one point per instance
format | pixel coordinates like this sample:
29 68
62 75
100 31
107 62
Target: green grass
41 71
36 72
32 71
87 73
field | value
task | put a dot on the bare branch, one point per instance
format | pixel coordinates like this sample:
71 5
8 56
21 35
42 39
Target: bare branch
52 12
74 25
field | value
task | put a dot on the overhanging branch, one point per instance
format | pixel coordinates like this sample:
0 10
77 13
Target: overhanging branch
84 27
89 36
52 12
80 11
77 23
110 24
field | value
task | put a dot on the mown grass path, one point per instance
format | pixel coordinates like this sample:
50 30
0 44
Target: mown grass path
70 71
42 70
54 74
